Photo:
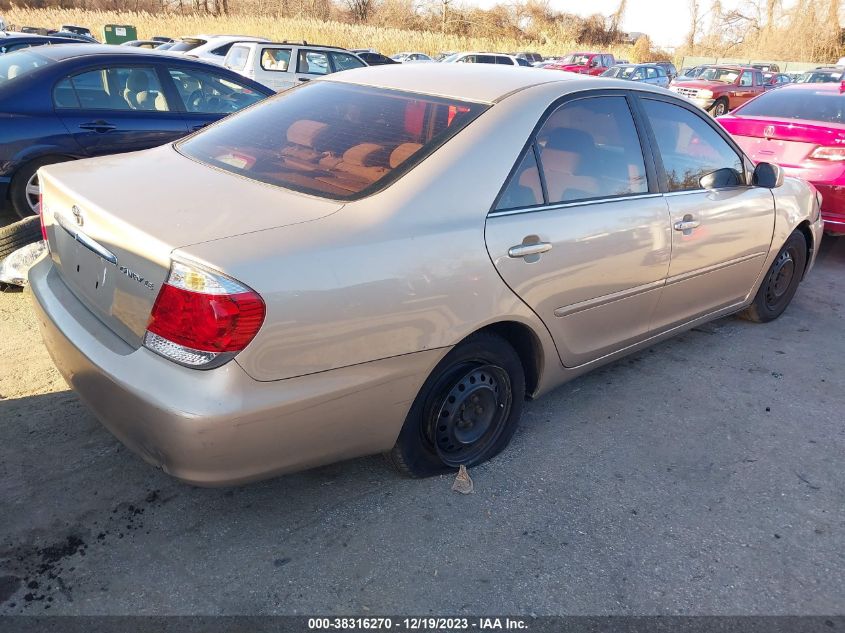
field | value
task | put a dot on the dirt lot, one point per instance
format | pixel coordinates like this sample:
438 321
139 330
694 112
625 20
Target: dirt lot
704 475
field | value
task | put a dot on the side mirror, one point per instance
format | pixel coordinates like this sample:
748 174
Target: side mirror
725 177
767 175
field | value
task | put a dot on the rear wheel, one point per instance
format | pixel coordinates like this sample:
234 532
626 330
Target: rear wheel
781 281
467 410
720 107
24 189
18 235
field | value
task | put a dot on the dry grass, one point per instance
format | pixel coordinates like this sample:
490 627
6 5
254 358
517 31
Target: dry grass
386 40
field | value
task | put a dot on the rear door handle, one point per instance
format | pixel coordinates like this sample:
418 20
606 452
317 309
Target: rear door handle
97 126
526 250
304 78
687 224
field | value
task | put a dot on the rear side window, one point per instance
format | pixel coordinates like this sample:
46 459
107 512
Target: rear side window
524 188
501 59
331 139
237 57
19 64
688 146
275 59
588 149
112 89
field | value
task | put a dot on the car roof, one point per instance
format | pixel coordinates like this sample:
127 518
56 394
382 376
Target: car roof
484 83
33 37
59 52
303 44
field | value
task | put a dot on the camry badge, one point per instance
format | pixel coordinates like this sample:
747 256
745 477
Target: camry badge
77 215
769 131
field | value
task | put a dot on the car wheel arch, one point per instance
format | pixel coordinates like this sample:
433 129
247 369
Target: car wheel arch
527 345
804 227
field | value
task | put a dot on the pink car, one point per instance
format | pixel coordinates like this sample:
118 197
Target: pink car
800 127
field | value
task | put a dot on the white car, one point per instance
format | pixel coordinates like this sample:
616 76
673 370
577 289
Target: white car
473 57
210 48
411 58
282 65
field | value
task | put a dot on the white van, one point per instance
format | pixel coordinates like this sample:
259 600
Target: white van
282 65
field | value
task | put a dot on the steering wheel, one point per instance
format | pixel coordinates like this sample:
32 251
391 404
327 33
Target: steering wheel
196 101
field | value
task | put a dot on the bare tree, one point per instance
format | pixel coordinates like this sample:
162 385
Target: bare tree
360 9
693 26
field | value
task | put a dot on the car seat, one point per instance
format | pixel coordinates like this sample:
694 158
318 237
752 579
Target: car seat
568 155
137 93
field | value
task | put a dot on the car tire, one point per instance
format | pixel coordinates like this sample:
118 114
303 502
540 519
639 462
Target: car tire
23 180
720 107
19 234
780 282
441 433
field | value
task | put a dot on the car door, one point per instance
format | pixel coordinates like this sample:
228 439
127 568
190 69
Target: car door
207 96
720 236
274 67
117 108
310 64
580 231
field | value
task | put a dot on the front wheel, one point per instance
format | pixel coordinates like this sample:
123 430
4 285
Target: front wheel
720 107
467 410
781 281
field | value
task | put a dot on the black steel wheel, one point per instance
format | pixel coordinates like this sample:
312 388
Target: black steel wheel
781 281
467 410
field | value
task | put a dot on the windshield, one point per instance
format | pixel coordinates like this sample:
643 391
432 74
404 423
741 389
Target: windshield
725 75
19 64
808 105
330 139
576 60
450 58
820 78
623 72
186 45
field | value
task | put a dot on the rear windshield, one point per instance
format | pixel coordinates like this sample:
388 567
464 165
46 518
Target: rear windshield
807 105
331 139
186 45
19 64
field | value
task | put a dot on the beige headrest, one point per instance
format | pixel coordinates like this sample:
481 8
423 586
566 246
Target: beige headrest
305 132
403 153
363 154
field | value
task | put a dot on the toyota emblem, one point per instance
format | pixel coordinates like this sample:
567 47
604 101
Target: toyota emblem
77 215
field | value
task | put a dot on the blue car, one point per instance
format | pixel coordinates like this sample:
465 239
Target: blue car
12 43
60 103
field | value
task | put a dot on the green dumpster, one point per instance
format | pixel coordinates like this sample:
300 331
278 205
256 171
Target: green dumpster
119 33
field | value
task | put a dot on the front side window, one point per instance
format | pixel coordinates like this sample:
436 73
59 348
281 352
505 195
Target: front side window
332 139
112 89
501 59
345 61
206 93
589 148
312 63
275 59
688 146
758 78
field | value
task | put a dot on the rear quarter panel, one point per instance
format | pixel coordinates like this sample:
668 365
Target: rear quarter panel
399 272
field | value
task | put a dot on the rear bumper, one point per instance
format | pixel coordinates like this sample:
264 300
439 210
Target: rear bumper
833 195
220 426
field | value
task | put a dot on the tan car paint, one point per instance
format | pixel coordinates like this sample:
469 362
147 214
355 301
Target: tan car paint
361 305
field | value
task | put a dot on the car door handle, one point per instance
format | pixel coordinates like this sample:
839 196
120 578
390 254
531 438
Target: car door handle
199 127
304 78
97 126
525 250
687 224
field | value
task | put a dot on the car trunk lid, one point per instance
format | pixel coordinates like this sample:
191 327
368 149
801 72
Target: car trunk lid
786 142
113 223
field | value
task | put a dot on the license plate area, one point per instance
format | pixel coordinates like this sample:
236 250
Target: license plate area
89 269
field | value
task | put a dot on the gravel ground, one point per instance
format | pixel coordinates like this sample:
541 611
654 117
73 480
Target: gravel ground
702 476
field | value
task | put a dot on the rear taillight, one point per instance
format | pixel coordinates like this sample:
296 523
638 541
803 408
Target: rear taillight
828 153
202 318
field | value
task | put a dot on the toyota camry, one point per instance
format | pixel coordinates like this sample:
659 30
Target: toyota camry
393 259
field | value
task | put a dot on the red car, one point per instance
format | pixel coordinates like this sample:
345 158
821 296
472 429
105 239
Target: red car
720 89
585 63
801 127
